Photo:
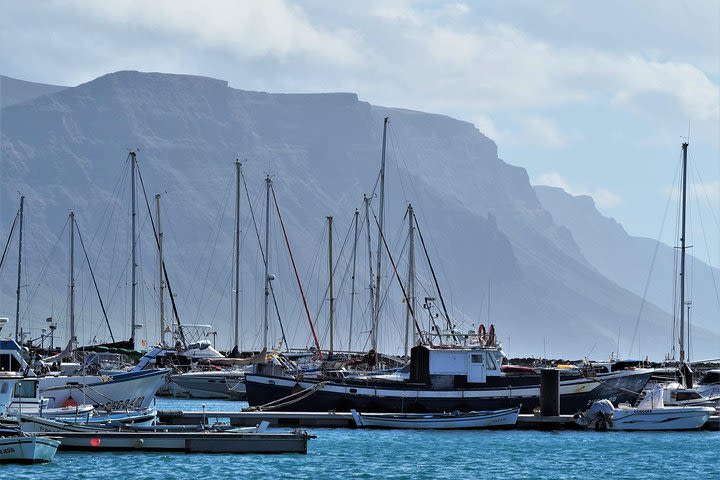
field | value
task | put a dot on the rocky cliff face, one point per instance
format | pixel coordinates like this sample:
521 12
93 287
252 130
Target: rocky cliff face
484 227
628 261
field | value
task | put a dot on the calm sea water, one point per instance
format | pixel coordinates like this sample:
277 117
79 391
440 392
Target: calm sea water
345 453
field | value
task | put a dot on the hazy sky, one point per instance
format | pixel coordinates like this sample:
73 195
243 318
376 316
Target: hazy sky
593 97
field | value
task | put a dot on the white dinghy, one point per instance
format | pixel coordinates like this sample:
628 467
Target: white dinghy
452 420
650 414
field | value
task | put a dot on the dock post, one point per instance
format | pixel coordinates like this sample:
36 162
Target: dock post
549 392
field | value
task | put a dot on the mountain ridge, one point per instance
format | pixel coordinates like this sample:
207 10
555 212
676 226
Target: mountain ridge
483 220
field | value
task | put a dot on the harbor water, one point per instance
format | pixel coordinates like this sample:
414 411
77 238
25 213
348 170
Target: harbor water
347 453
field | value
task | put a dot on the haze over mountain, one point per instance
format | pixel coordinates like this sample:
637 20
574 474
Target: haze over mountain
485 229
628 260
13 91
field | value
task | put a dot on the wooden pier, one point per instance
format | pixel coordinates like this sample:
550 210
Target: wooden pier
345 420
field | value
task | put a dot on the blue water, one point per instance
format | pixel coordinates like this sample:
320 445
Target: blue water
345 453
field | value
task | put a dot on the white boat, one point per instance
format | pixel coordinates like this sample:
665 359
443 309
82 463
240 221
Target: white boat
130 390
452 420
676 395
650 414
210 384
709 384
16 447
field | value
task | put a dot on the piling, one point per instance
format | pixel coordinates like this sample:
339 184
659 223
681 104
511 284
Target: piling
549 392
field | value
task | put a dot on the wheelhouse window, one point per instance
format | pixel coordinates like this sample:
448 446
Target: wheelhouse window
491 363
8 363
26 389
476 358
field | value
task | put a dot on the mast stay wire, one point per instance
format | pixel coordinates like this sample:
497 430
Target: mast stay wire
218 225
707 246
9 239
41 276
652 267
262 253
419 200
92 274
342 279
157 244
302 293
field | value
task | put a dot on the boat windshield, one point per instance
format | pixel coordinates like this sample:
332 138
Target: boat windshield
25 389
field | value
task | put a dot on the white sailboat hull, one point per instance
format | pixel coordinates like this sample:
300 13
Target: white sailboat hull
131 391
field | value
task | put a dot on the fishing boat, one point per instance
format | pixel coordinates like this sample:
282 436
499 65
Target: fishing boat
445 378
650 414
451 420
17 447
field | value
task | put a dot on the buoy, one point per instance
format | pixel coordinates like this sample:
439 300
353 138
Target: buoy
70 402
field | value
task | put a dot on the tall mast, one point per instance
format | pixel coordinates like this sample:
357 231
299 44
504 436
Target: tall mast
133 200
162 279
371 287
332 292
73 337
682 254
410 300
352 279
268 185
19 270
381 222
237 253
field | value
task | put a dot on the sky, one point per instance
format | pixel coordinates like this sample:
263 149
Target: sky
594 97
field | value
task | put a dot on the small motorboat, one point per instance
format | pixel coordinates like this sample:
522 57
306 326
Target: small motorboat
650 414
17 447
451 420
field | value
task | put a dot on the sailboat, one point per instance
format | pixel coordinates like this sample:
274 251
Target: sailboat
132 390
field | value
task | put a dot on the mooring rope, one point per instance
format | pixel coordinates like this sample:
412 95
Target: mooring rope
289 400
